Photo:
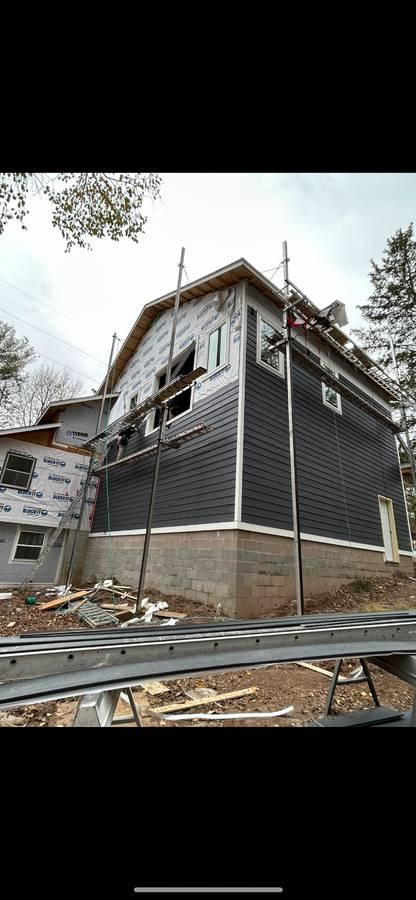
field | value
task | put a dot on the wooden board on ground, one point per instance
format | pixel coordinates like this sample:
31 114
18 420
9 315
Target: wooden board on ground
173 707
117 607
52 604
169 614
306 665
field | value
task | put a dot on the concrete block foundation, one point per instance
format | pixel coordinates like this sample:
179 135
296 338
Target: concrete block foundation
249 573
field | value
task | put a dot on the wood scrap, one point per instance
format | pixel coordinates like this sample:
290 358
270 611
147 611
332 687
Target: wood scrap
306 665
189 704
167 614
53 604
116 591
329 674
116 607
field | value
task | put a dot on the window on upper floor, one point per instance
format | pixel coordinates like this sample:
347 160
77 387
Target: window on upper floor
180 404
269 354
217 347
17 471
133 401
330 396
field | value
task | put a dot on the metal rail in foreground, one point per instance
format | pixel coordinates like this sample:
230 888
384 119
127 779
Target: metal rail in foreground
37 668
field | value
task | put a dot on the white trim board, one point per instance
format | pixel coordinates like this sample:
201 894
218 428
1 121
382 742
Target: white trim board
238 500
245 526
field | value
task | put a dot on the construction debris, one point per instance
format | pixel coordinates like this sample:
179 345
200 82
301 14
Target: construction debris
247 715
94 616
6 596
189 704
60 590
53 604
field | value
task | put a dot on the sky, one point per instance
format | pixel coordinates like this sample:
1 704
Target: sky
334 224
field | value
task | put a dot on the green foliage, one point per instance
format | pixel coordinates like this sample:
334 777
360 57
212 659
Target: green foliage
390 311
83 206
15 354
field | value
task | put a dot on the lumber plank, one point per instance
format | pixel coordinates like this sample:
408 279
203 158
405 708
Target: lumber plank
117 607
168 614
52 604
172 707
306 665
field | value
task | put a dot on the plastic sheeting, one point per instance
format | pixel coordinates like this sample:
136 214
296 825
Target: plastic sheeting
57 479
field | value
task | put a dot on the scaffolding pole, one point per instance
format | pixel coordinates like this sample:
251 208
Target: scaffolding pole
292 444
161 435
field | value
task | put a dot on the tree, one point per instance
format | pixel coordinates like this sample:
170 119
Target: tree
15 354
34 393
84 205
390 312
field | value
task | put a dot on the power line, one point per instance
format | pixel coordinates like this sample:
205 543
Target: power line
64 366
53 336
37 299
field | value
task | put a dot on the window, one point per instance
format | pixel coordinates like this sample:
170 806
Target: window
18 471
133 401
388 528
330 396
268 354
180 404
29 545
217 348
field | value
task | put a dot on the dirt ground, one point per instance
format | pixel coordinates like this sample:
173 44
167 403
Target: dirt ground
277 687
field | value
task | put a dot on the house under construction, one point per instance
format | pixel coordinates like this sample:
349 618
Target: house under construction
222 526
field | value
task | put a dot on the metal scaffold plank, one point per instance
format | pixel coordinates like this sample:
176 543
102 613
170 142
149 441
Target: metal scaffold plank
136 415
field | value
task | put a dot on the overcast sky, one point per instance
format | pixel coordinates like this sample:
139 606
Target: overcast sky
333 223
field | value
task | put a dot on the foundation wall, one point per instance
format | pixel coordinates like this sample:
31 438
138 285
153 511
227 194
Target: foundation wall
249 573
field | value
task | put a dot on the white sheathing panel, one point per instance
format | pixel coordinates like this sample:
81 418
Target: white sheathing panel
196 320
57 478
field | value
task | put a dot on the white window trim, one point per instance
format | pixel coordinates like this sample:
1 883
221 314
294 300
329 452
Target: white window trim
281 371
150 429
338 407
226 363
24 562
16 487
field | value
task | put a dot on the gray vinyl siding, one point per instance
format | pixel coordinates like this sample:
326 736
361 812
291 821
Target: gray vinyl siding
14 573
344 461
196 482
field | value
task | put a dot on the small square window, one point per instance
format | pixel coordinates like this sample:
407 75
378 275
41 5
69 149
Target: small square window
330 396
217 348
29 545
269 352
18 471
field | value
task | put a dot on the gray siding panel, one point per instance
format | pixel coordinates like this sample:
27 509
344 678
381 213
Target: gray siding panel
196 483
344 461
14 573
